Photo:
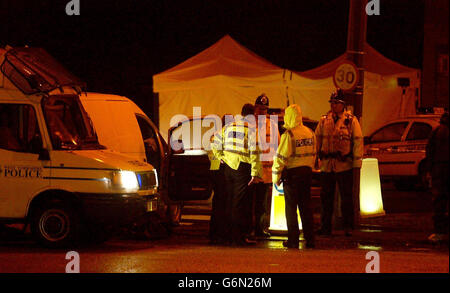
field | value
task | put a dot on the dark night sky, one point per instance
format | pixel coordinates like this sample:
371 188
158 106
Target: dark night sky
117 45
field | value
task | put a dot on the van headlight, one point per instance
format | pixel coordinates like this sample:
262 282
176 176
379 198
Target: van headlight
126 180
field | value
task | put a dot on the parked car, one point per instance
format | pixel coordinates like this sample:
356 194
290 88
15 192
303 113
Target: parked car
189 166
399 146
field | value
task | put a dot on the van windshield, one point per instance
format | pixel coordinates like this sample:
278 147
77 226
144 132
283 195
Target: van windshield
68 123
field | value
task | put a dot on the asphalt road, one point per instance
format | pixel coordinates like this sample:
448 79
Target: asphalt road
398 238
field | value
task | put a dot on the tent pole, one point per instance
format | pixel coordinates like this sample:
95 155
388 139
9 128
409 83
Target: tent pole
155 108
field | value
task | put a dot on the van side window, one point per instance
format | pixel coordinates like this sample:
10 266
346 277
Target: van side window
419 131
152 151
19 130
391 132
146 130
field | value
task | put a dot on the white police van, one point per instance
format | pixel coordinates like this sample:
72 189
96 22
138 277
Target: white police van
122 126
54 173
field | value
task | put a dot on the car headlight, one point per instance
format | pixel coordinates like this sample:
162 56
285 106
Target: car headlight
126 180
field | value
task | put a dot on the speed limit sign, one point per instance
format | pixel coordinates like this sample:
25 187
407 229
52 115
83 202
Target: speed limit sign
346 76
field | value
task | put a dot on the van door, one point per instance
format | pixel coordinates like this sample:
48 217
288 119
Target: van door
154 148
189 177
22 174
415 145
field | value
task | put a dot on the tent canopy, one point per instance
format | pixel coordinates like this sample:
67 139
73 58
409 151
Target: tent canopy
226 57
220 80
383 99
374 61
225 76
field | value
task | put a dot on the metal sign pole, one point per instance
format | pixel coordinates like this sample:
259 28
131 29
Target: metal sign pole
356 39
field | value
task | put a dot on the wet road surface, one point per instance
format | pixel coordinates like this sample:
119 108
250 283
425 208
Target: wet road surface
399 238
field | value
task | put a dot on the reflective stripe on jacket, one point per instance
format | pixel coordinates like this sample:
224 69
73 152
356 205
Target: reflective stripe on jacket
339 144
237 143
269 137
297 146
214 162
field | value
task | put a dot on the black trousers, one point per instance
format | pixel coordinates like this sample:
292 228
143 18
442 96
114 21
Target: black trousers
219 225
239 200
345 183
439 189
261 207
297 193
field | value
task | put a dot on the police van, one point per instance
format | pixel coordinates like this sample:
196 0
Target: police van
54 173
123 127
183 176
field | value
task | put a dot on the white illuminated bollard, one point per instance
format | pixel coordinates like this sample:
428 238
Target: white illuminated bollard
370 199
277 211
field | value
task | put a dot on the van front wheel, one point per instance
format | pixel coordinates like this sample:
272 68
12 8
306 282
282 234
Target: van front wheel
55 225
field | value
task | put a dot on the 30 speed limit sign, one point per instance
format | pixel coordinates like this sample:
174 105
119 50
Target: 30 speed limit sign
346 76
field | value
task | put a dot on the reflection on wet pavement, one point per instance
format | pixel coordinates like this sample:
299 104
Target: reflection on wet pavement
367 246
190 233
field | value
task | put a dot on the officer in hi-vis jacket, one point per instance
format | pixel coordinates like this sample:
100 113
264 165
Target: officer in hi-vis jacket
340 150
295 157
236 146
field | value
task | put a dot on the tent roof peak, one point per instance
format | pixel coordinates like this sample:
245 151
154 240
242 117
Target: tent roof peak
375 62
227 57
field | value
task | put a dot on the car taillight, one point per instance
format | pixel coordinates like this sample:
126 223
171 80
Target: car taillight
372 151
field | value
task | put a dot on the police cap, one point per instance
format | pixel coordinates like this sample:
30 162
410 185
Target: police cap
262 100
337 97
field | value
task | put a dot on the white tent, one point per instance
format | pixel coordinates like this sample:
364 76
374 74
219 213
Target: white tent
226 75
220 80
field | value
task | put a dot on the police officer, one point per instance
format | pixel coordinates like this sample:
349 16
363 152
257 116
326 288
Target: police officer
268 138
340 150
236 146
219 218
437 163
296 155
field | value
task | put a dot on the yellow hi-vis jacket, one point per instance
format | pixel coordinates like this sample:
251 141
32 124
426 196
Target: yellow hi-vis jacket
214 162
297 146
237 143
269 138
339 144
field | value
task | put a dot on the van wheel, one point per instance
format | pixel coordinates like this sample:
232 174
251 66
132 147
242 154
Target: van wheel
54 224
